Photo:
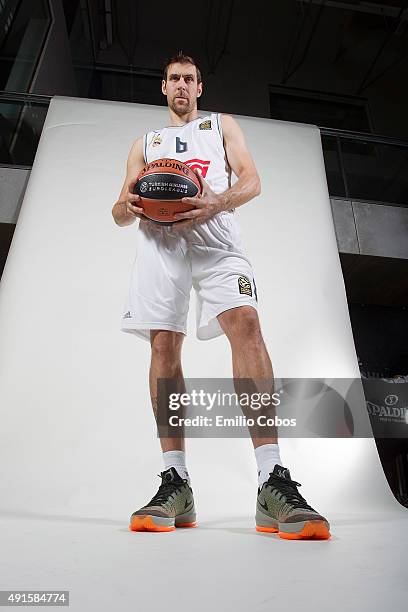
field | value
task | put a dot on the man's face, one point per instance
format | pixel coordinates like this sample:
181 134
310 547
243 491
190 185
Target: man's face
181 88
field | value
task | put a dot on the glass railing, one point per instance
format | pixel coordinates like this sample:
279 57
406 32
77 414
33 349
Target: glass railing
366 166
22 118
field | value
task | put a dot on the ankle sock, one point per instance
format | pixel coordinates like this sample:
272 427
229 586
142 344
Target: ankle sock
267 456
176 459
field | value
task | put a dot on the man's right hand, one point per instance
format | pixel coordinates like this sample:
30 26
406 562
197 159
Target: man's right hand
126 210
132 199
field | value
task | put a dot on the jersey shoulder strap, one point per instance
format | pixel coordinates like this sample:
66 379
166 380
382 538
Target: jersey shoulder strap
211 122
216 121
147 140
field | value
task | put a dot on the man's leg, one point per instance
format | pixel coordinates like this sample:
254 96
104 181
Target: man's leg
280 507
173 504
166 363
250 359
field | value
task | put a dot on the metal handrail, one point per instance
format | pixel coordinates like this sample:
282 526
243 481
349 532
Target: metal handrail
16 96
130 70
363 136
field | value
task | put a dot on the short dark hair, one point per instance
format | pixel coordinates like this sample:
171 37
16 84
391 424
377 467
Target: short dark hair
180 58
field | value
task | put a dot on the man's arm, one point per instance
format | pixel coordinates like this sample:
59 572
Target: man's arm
247 186
239 158
125 211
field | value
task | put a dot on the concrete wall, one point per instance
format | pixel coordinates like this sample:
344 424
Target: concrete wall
13 182
371 229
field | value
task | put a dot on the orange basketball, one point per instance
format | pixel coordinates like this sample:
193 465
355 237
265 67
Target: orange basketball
161 185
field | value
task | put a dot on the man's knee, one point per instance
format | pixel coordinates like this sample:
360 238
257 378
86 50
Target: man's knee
165 344
241 323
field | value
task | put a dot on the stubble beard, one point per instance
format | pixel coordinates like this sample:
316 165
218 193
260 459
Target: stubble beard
181 110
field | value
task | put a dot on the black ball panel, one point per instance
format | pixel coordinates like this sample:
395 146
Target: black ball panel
165 186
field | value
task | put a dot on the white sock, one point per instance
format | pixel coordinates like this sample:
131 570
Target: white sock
267 456
176 459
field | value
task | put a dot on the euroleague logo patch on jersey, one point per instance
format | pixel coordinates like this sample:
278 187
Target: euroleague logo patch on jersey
205 125
244 285
199 164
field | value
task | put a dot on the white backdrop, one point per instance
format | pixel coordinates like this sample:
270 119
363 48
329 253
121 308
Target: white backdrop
78 436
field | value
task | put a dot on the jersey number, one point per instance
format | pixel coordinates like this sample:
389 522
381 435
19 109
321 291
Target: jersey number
181 146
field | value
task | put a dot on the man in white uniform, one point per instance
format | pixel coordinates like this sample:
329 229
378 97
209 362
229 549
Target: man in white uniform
203 250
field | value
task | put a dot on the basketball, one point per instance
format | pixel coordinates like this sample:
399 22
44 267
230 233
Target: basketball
161 185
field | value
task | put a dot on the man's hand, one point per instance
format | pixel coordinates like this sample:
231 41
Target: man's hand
207 205
131 201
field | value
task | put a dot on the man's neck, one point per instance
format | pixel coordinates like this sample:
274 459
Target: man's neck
176 120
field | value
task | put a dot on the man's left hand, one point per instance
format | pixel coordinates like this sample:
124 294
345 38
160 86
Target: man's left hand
207 205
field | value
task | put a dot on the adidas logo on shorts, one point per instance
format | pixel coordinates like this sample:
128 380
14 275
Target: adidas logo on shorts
127 315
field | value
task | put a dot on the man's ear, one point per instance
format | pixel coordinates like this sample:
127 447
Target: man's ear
164 89
200 90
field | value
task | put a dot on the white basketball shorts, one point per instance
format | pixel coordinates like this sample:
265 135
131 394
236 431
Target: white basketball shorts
209 257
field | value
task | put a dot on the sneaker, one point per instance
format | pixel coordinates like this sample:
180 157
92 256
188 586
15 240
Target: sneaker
171 507
281 508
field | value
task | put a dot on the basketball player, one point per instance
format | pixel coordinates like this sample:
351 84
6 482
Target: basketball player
204 250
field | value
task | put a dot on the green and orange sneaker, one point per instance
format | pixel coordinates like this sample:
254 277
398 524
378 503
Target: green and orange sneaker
171 507
280 508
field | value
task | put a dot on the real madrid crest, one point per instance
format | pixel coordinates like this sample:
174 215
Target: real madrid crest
157 140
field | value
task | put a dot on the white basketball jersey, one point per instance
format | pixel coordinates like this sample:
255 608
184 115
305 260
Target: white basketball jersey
199 144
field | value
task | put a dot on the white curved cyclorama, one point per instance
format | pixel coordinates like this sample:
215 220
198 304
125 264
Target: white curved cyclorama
78 442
